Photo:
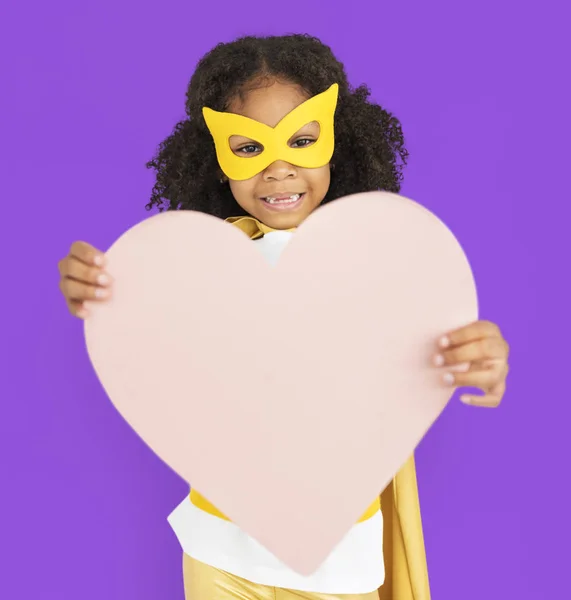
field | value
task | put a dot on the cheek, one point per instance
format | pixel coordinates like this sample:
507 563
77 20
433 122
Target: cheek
320 179
243 191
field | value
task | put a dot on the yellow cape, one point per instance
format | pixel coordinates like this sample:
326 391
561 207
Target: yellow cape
403 545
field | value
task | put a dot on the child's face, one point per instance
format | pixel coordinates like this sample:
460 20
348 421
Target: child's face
271 196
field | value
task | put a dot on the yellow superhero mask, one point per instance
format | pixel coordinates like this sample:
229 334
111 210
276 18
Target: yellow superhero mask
274 140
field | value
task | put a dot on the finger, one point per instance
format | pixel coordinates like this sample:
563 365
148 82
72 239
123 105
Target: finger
472 332
460 368
499 366
87 253
492 363
485 401
490 400
484 380
77 309
492 348
75 290
78 270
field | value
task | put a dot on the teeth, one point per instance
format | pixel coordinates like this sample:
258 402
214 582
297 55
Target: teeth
293 198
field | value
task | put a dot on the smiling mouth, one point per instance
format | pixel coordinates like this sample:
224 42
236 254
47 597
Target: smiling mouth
283 199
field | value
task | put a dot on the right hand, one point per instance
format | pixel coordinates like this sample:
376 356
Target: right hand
82 277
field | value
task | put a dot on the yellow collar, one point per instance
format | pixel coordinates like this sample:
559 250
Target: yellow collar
253 228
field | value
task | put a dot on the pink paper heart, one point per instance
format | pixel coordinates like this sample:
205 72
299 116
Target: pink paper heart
218 360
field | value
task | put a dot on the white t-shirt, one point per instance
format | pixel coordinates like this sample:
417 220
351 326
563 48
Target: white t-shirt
356 565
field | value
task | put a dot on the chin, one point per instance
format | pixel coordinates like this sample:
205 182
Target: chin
284 222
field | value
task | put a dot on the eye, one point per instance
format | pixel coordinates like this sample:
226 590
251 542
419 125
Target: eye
303 142
249 149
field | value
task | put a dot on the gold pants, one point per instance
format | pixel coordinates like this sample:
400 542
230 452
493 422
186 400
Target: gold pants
202 582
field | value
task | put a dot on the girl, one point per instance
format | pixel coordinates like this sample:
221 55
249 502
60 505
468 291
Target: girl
273 132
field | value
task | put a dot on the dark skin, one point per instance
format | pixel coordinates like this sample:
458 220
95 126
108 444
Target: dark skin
268 104
476 356
369 143
370 151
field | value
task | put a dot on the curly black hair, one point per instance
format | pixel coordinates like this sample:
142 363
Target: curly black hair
369 146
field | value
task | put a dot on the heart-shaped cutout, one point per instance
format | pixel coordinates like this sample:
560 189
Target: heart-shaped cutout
218 360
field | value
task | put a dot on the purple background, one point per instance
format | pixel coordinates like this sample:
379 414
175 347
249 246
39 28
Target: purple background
88 89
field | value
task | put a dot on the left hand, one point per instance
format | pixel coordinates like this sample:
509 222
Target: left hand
475 356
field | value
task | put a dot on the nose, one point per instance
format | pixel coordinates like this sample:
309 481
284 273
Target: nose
280 170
